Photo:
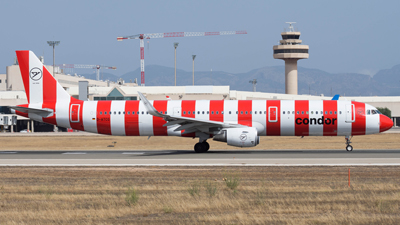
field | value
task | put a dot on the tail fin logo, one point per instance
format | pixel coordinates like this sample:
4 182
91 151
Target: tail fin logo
36 74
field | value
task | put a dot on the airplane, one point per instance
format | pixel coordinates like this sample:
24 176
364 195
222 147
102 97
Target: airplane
239 123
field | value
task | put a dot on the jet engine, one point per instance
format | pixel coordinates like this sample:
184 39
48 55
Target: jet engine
239 137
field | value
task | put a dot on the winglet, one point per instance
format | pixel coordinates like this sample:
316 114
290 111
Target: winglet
336 97
150 108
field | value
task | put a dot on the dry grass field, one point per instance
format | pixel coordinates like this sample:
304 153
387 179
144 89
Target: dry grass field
195 195
100 142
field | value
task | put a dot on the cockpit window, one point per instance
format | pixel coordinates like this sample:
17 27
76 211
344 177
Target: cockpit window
368 112
375 111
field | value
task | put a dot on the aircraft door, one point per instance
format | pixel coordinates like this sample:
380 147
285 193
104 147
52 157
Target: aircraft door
177 111
74 113
350 113
272 114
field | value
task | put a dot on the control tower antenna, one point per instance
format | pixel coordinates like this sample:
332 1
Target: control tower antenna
291 28
291 50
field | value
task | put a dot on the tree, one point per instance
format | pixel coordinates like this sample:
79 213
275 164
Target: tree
385 111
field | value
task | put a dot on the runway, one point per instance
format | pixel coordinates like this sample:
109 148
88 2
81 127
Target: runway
212 158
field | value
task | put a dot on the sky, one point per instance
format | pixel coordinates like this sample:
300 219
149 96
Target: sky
343 36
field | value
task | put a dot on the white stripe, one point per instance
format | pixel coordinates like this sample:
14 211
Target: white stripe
287 119
62 113
343 127
316 107
371 121
257 107
89 116
230 106
145 121
170 111
117 118
35 86
203 106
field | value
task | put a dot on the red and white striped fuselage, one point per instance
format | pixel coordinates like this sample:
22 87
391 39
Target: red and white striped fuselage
236 122
269 117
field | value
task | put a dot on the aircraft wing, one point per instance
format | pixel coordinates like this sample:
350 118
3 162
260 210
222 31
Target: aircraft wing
185 123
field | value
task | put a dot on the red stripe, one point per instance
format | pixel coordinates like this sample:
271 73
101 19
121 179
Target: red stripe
158 122
274 128
216 110
78 125
49 87
186 107
52 119
23 61
131 118
245 112
103 120
358 127
330 118
301 113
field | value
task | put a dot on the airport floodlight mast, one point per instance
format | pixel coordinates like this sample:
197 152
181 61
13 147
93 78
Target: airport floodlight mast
193 57
254 82
83 66
168 35
54 44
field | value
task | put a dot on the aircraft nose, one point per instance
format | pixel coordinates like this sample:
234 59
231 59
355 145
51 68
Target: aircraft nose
385 123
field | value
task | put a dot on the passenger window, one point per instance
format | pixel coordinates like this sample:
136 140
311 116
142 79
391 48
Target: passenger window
326 112
283 112
260 112
142 112
216 112
194 112
340 112
147 112
222 112
241 112
119 113
246 112
335 112
101 113
237 112
302 112
288 112
298 113
110 112
316 112
189 112
184 112
330 112
198 112
306 112
202 112
208 112
212 112
105 113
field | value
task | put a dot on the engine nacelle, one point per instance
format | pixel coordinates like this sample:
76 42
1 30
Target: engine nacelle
239 137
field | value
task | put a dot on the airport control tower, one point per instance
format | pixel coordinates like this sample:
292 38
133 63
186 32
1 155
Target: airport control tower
290 49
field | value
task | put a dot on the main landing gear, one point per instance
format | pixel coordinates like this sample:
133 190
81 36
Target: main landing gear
201 147
349 148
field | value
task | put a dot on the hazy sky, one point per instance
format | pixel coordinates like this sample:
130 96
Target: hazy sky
344 36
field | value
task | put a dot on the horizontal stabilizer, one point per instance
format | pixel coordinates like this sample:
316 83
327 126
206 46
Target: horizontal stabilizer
41 112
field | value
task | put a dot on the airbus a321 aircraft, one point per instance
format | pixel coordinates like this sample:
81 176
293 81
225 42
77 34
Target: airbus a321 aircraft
237 122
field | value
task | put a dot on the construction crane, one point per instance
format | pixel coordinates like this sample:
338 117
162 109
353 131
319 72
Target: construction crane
83 66
167 35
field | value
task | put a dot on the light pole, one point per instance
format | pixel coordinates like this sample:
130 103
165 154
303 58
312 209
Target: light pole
175 46
54 44
193 56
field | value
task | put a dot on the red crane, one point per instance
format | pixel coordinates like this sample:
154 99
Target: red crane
170 34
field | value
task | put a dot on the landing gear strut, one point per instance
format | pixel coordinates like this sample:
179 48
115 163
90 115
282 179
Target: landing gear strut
201 147
349 148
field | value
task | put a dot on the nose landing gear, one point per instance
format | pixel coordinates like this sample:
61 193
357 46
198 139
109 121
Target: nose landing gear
349 148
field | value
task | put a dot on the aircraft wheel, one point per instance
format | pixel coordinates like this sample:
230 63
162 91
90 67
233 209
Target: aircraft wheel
200 148
349 148
206 145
